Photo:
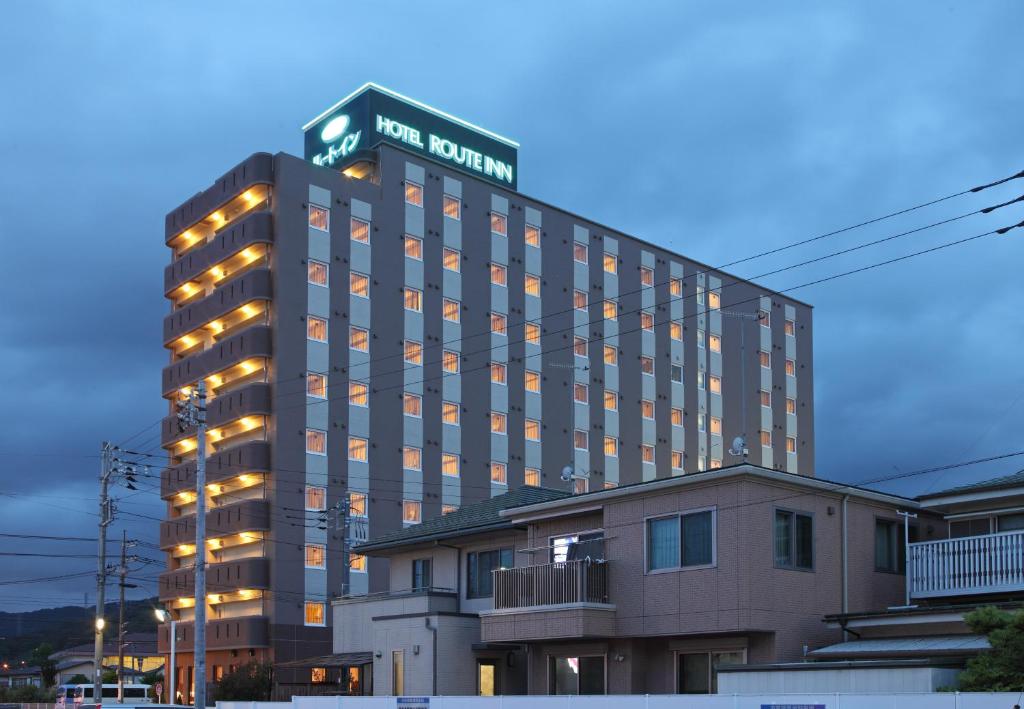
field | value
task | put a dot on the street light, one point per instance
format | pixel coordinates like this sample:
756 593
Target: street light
163 616
100 624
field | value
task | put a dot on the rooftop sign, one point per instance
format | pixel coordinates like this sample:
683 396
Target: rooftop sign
373 114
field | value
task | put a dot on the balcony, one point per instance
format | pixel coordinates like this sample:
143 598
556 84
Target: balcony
220 578
225 634
254 228
252 457
252 400
247 516
255 285
968 566
252 343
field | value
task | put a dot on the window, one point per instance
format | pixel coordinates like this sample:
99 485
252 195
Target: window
576 675
579 252
532 427
315 554
413 194
701 379
316 273
676 373
413 299
532 236
681 541
790 405
357 562
611 310
413 352
675 287
499 424
420 574
398 672
412 458
499 224
716 463
790 444
450 259
715 384
647 365
647 408
499 274
358 394
532 477
647 321
677 416
315 613
716 426
532 331
579 440
611 355
450 310
790 328
646 276
359 285
702 463
765 358
790 368
359 230
316 441
450 361
579 300
450 464
358 339
499 473
766 398
448 509
450 412
319 218
700 294
611 263
714 300
451 206
675 330
316 385
499 324
647 453
697 671
700 338
411 511
357 504
611 446
766 439
715 343
580 393
532 380
702 422
479 565
611 400
414 247
412 405
499 373
532 285
764 318
677 460
890 549
316 329
316 498
357 449
579 346
794 540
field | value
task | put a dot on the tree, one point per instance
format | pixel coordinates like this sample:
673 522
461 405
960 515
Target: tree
999 669
109 677
249 683
78 679
47 668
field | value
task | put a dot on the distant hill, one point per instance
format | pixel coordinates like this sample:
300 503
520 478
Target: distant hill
66 626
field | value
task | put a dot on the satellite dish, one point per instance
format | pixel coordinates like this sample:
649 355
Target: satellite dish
739 446
567 473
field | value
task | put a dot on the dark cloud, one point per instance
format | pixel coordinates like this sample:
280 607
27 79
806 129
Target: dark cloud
716 130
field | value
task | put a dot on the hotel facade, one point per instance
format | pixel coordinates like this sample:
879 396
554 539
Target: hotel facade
389 330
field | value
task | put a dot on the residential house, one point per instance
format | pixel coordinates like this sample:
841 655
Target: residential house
140 657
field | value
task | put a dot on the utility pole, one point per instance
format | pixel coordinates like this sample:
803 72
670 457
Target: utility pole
106 517
123 571
193 413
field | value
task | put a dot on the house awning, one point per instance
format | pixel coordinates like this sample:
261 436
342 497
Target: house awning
927 646
345 659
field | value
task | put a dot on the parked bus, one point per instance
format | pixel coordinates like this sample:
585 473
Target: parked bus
72 695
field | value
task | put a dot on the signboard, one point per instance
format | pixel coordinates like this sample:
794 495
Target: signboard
412 702
373 115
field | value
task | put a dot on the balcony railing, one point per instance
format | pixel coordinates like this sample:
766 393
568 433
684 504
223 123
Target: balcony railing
561 583
992 563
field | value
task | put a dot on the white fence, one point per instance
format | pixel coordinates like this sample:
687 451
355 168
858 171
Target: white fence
938 700
992 563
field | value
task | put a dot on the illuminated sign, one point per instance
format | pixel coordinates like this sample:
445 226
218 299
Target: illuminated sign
374 115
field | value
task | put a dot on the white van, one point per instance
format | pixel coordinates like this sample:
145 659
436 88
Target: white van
72 695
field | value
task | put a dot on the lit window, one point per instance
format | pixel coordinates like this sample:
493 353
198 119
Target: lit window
646 276
499 473
611 311
790 406
414 247
790 327
532 477
675 287
319 218
316 329
411 511
716 463
579 299
609 485
611 355
413 194
450 412
412 458
315 556
450 310
580 486
647 365
677 416
450 361
450 465
580 440
765 358
611 446
450 259
714 300
448 509
611 400
790 444
358 339
359 230
316 498
611 263
675 331
579 346
315 613
316 273
499 224
316 441
532 429
647 321
677 460
499 373
359 285
412 405
357 563
499 274
499 324
413 299
532 333
676 373
647 453
579 252
790 368
647 408
715 384
452 206
701 379
764 318
766 439
413 352
580 393
316 385
532 381
716 426
702 422
358 394
499 424
357 448
532 285
532 236
357 504
700 338
715 343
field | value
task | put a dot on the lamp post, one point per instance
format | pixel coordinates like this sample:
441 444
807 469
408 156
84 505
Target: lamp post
163 616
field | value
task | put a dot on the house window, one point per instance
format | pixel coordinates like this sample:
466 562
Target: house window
448 509
412 405
359 230
450 465
316 498
499 373
764 318
611 355
315 554
357 449
715 464
357 504
702 422
499 274
791 328
499 473
676 373
316 273
532 236
790 405
359 285
646 276
576 675
450 412
697 672
499 224
479 568
700 295
790 368
411 511
532 429
412 458
579 440
766 398
611 400
700 338
675 287
499 324
532 381
677 460
890 549
611 263
532 334
358 338
714 300
765 358
316 329
677 416
647 321
315 613
647 408
579 299
413 194
318 675
319 218
357 562
715 384
579 252
358 394
421 574
715 343
611 310
450 259
499 424
414 247
790 444
316 441
413 352
675 331
647 453
451 206
532 477
611 446
450 361
681 541
450 310
532 284
316 385
579 346
413 299
766 439
701 379
580 393
716 426
794 540
702 463
647 365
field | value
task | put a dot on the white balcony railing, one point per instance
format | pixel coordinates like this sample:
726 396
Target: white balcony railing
583 581
992 563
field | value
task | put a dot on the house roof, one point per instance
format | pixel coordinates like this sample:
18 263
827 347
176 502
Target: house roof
479 517
134 644
1012 480
922 646
345 659
20 672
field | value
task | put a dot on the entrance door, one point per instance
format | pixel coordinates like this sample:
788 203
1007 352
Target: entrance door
487 678
398 672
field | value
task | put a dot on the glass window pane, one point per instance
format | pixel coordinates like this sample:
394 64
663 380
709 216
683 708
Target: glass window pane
592 675
565 675
804 542
697 538
783 540
694 674
663 543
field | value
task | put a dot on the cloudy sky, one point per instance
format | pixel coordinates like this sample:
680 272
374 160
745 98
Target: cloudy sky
720 131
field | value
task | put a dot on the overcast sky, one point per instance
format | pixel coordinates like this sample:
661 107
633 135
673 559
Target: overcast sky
715 131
